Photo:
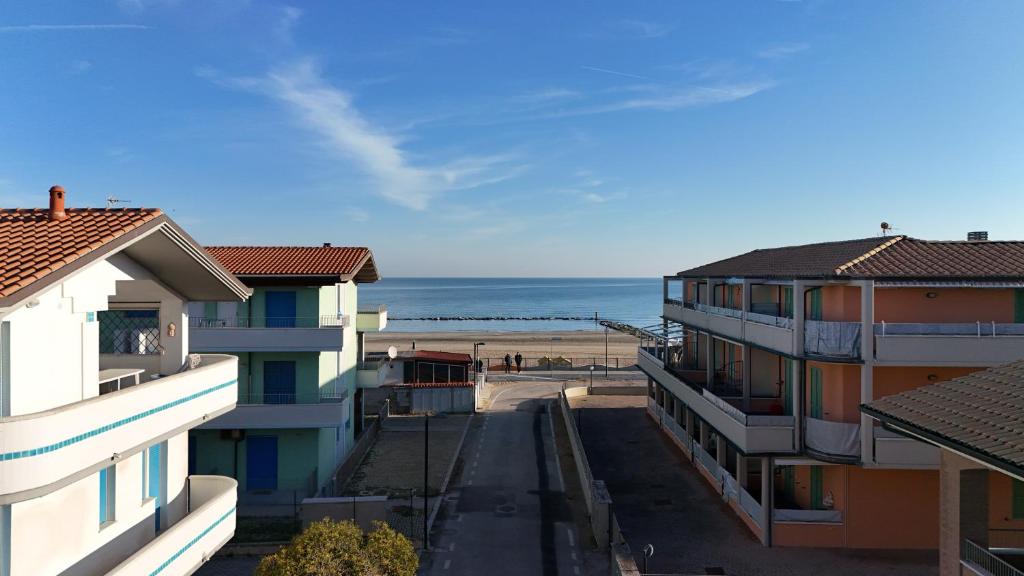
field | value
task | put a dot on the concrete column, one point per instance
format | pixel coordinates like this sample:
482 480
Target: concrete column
721 449
767 472
799 286
798 407
963 509
867 354
664 288
746 374
741 470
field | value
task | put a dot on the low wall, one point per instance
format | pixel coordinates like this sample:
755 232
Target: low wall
363 510
618 391
358 452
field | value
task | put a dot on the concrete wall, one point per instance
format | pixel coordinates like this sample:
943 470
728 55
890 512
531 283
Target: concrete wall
298 456
893 508
766 373
893 380
949 305
363 510
840 390
839 303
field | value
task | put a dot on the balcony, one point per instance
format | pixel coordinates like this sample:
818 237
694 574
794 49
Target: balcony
897 451
834 340
976 559
58 446
761 327
372 320
739 420
323 409
185 546
972 343
298 334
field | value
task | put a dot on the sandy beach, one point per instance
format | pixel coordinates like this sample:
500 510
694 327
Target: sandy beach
579 344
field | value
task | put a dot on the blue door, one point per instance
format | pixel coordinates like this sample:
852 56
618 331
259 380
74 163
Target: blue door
279 382
155 479
280 309
261 462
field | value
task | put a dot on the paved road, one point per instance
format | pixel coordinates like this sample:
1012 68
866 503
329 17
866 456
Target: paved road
507 511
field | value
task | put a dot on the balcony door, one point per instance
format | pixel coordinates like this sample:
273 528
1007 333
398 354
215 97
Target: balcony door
261 462
1018 305
280 308
279 382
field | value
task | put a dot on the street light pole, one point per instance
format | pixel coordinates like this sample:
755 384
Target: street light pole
426 461
591 389
476 348
606 352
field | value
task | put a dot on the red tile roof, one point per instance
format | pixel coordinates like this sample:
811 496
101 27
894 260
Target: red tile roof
897 257
434 356
344 262
31 246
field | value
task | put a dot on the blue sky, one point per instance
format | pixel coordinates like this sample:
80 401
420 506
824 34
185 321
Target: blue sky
522 138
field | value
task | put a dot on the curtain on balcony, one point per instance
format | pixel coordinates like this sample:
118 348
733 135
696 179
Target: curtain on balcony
839 339
837 438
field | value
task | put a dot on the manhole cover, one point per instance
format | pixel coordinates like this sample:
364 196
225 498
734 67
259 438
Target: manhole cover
505 510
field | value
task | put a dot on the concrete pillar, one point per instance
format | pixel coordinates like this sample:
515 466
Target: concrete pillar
741 470
664 288
867 354
745 350
767 472
721 450
799 287
963 509
798 408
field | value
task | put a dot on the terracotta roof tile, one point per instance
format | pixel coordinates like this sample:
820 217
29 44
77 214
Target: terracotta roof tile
342 261
435 356
897 257
982 412
31 246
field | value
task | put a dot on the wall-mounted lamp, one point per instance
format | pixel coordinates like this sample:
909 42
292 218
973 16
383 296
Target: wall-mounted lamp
32 303
933 377
172 329
931 295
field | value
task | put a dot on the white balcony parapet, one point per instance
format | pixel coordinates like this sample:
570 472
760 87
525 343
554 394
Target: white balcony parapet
730 312
42 451
323 321
185 546
808 516
777 321
898 451
751 506
372 320
833 438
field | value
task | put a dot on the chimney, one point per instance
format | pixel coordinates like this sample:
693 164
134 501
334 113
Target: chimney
57 212
327 244
980 236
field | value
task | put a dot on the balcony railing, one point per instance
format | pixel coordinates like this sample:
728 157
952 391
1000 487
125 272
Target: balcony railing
730 312
50 447
323 321
981 561
777 321
191 541
832 339
966 329
323 397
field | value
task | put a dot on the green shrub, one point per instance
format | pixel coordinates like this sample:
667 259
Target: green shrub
329 548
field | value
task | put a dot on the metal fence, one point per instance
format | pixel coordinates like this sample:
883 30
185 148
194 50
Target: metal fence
981 557
558 362
324 321
323 397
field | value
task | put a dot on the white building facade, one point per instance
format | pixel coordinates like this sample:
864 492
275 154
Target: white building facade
98 392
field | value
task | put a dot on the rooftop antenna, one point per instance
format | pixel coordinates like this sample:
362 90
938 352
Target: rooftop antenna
113 201
886 228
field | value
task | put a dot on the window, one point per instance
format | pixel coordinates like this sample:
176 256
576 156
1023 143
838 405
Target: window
816 393
108 490
130 331
1018 500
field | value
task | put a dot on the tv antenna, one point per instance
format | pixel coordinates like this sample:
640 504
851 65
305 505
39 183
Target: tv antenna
886 228
113 201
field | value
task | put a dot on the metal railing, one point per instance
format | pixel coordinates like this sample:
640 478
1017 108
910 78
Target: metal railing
720 311
323 321
558 362
322 397
975 329
770 320
977 556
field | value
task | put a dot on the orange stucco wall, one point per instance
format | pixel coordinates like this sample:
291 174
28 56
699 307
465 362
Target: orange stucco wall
892 508
893 380
840 303
949 305
808 535
814 534
1004 530
840 391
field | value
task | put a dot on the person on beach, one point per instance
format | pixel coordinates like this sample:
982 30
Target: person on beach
519 362
508 363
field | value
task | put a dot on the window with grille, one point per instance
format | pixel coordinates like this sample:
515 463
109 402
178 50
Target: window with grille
129 331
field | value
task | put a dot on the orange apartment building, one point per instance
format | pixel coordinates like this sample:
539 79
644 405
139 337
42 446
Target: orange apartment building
762 361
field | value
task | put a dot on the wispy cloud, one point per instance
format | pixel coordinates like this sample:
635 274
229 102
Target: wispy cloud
547 95
289 17
672 99
614 72
330 112
646 28
357 214
780 51
81 66
69 27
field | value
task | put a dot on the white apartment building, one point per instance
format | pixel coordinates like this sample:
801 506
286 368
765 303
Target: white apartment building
98 392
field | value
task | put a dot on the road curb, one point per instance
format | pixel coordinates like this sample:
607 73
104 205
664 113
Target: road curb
447 478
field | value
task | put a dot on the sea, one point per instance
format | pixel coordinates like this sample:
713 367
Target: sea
512 304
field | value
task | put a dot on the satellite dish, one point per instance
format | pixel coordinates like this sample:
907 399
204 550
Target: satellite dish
392 352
